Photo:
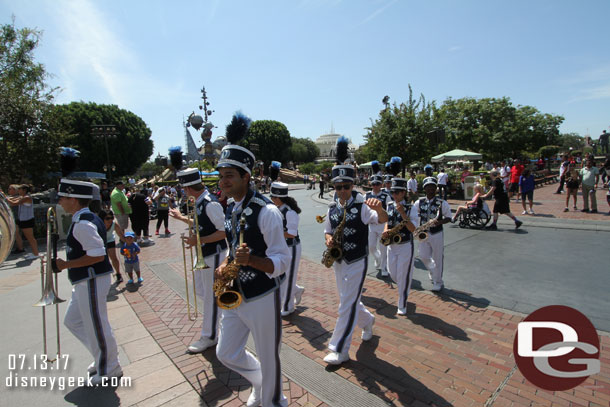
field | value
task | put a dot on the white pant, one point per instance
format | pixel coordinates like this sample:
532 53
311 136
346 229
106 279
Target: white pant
400 267
87 319
204 286
289 286
350 279
376 249
432 254
262 318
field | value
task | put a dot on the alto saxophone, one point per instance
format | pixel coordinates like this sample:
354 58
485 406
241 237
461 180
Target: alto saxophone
393 236
421 232
335 252
225 297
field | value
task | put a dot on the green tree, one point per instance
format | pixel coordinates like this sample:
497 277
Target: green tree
27 147
567 140
401 130
273 140
303 150
128 150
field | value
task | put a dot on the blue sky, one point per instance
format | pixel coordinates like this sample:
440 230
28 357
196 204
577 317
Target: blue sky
313 63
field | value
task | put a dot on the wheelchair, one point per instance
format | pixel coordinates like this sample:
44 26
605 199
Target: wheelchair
474 218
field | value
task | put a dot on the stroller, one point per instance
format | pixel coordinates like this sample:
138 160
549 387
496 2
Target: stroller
475 218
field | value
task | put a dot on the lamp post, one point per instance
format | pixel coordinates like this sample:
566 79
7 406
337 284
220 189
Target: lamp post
106 131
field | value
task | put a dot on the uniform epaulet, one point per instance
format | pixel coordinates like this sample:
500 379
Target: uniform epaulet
208 198
332 204
258 201
230 201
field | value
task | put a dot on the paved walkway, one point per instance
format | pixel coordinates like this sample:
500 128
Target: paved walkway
446 352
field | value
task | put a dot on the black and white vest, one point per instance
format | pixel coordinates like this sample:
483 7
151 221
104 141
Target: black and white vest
290 241
251 283
431 210
207 227
355 232
394 218
74 250
383 197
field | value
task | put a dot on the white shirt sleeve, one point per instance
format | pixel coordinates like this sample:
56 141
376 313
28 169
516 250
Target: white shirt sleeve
86 234
271 226
216 215
327 227
446 210
292 223
414 215
368 215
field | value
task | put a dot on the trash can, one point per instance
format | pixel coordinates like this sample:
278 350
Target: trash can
469 183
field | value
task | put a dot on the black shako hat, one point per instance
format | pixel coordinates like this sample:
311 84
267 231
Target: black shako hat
233 155
376 179
189 177
70 188
279 189
399 184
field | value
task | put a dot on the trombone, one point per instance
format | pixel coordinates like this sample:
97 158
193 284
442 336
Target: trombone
49 290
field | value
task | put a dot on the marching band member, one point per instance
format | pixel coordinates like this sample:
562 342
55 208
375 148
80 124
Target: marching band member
376 249
210 217
387 179
292 293
401 254
437 211
351 214
90 273
263 257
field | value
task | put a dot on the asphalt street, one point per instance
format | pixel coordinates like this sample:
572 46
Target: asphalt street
519 270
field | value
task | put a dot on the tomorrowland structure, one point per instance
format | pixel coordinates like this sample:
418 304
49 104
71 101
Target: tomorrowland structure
327 144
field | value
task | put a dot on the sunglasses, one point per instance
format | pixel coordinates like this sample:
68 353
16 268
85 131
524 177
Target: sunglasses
340 187
110 218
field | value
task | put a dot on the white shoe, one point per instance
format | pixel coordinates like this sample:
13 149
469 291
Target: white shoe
367 331
531 212
336 358
524 213
298 295
91 369
286 313
31 256
401 311
96 379
437 287
255 398
202 344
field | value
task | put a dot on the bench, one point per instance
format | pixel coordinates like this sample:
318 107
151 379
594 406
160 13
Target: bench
544 177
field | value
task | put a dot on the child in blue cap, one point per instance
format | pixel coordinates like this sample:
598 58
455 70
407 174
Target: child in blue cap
130 250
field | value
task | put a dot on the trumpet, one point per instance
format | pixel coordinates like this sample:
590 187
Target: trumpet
49 290
320 219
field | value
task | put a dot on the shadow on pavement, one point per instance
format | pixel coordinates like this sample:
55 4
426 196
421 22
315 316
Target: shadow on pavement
222 383
310 329
439 326
370 371
93 397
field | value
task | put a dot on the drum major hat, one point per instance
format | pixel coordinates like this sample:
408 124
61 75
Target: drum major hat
387 178
376 179
70 188
279 189
189 177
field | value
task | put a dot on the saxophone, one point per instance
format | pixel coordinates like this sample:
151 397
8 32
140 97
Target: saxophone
393 237
225 297
335 252
421 232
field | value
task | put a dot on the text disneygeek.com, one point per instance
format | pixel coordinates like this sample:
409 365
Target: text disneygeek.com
14 380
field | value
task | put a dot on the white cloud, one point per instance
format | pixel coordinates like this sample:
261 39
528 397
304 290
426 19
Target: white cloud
593 93
591 84
378 11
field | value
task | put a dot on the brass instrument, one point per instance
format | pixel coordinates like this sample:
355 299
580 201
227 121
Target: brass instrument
320 219
190 209
335 252
186 282
226 298
8 228
49 290
393 236
421 232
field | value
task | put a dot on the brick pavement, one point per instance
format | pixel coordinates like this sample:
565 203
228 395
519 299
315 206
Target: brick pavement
447 352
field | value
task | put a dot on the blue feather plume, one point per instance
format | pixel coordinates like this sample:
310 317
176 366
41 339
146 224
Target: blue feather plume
67 160
375 166
342 149
395 165
274 170
175 157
